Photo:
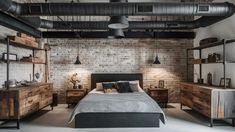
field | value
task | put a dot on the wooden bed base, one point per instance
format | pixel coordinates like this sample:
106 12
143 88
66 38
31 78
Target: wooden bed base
116 120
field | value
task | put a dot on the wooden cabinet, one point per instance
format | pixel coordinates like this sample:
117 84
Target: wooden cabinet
160 95
213 102
17 103
73 96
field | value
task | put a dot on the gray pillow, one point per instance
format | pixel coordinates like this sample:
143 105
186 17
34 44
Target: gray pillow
134 86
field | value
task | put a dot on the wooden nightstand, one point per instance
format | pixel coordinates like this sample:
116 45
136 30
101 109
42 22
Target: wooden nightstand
73 96
160 95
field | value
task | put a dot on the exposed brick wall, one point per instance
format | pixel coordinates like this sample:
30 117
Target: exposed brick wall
119 56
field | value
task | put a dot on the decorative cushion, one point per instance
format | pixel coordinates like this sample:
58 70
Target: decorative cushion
112 90
99 87
108 87
123 87
135 86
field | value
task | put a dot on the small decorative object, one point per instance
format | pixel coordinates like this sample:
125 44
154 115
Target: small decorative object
209 78
210 58
11 56
227 82
161 84
37 75
75 80
200 80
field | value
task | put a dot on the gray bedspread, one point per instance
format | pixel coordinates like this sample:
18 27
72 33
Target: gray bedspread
138 102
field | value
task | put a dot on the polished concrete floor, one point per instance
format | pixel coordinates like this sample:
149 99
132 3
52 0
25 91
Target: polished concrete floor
177 121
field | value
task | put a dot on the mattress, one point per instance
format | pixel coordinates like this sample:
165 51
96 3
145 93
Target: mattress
99 102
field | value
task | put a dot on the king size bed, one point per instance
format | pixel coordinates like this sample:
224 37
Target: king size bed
111 110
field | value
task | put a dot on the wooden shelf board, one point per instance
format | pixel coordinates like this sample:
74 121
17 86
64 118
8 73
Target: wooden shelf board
207 45
13 43
23 62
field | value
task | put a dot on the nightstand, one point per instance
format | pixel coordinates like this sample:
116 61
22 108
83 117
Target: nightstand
160 95
73 96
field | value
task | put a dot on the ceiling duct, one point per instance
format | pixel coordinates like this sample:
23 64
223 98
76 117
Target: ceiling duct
118 22
118 9
103 25
104 34
18 25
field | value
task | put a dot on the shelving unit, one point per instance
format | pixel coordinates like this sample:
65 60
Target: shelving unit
15 44
200 48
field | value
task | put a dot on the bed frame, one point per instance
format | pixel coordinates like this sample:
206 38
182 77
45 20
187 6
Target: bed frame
115 120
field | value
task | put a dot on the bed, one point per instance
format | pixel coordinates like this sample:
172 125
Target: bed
99 110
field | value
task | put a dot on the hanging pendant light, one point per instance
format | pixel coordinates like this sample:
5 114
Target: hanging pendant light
78 62
156 61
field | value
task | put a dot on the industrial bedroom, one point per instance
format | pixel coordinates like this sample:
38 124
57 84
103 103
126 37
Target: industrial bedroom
117 65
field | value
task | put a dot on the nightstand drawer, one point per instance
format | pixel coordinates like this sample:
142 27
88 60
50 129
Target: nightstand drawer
77 93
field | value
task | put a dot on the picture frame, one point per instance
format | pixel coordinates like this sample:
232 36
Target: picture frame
227 82
12 57
161 84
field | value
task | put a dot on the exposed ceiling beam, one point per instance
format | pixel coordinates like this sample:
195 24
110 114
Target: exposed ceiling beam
103 34
18 25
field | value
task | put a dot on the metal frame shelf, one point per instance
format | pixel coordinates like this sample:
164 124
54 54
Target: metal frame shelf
15 44
200 48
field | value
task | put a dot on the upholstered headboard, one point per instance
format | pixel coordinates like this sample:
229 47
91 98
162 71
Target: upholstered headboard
112 77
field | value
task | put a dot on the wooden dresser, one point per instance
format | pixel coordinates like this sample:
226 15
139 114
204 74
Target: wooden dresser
211 101
17 103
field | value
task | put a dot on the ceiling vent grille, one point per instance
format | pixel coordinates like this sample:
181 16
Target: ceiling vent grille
145 8
203 8
35 9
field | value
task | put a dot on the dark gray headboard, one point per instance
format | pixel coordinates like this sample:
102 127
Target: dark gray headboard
112 77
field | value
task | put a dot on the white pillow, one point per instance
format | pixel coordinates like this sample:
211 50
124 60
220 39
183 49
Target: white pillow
99 87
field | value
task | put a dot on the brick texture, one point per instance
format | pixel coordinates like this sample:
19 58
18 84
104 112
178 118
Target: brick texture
119 56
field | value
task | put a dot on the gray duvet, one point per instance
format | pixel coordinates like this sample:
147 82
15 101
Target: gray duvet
138 102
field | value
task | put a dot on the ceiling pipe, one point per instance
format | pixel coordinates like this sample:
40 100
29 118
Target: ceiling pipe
128 34
118 9
18 25
103 25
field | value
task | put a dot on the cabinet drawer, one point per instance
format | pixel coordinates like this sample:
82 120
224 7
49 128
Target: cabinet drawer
25 93
185 87
75 93
202 92
202 109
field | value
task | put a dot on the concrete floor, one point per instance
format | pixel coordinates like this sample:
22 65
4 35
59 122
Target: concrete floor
177 121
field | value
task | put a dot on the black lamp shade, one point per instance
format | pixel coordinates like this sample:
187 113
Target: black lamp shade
156 61
78 62
118 22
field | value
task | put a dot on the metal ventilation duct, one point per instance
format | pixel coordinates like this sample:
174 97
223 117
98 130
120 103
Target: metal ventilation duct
118 9
118 22
103 25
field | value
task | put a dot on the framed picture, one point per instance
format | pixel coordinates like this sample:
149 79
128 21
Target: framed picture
161 84
227 82
11 56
